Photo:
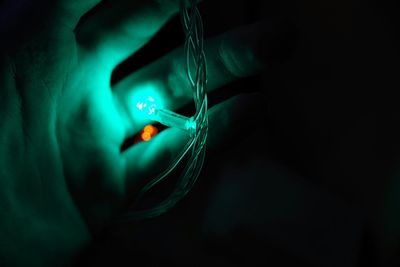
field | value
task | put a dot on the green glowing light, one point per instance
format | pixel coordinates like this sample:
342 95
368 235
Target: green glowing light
148 107
141 102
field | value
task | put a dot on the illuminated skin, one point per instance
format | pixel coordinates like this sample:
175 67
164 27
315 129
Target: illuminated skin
63 175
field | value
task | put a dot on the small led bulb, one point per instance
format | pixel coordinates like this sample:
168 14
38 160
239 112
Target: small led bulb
149 108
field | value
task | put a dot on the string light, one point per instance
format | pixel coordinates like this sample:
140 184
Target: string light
151 129
146 136
148 107
196 126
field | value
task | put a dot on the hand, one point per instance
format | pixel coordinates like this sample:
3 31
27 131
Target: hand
63 175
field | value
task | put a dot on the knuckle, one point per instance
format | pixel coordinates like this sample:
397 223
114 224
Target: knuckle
236 59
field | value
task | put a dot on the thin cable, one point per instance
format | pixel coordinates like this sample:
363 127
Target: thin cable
196 68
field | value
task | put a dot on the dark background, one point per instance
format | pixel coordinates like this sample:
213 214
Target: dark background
305 184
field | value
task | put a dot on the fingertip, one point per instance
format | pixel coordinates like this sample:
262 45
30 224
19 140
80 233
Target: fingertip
234 119
146 160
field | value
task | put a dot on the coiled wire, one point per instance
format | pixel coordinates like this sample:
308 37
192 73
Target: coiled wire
196 68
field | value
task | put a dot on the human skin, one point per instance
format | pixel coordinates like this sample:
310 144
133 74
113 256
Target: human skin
63 176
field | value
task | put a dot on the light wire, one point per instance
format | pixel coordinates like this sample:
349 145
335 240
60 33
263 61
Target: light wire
196 68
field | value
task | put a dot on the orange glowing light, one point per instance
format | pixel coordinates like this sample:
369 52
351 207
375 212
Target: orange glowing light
150 129
146 136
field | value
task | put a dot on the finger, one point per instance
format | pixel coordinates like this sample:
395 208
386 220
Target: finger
146 160
117 29
234 119
72 11
229 57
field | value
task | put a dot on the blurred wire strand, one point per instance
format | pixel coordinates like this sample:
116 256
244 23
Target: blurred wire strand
196 68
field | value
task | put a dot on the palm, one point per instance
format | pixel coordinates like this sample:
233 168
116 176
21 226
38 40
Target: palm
64 124
91 132
67 146
65 84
